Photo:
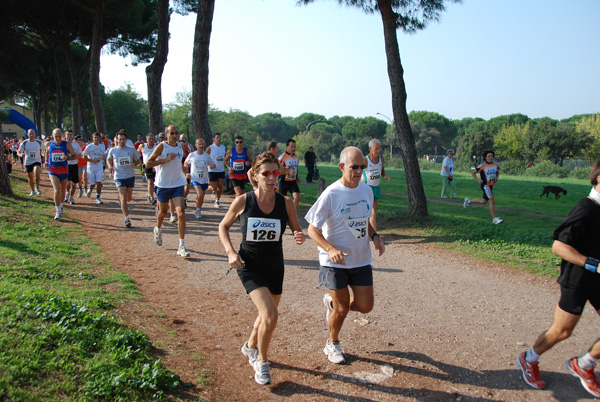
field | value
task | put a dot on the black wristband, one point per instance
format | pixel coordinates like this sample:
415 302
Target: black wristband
373 236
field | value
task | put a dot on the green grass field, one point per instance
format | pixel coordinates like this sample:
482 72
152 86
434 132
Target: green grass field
58 337
522 241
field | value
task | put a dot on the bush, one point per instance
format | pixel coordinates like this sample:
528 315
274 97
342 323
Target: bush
580 173
427 165
394 163
512 167
548 169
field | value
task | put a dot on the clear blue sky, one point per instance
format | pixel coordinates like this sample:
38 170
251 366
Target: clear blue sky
484 58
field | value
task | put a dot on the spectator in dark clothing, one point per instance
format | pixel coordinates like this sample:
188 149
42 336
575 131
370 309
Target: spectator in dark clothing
309 161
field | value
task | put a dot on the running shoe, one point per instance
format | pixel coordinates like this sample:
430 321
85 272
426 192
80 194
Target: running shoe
217 204
80 192
586 376
99 201
32 193
88 193
157 236
467 202
328 303
127 222
61 212
144 178
148 199
531 372
38 191
183 252
334 352
57 215
262 373
251 354
154 201
198 214
66 197
497 220
71 201
173 219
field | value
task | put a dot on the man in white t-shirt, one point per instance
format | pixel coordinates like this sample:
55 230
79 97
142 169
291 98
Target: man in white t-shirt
94 154
31 151
339 225
197 164
216 176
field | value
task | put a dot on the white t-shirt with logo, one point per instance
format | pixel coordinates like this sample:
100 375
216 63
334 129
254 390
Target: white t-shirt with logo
342 214
94 152
218 155
199 166
32 150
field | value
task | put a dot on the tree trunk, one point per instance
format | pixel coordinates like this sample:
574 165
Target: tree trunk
60 99
155 70
95 49
75 91
417 202
46 115
200 123
5 187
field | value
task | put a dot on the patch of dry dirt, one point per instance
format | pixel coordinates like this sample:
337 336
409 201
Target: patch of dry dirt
444 328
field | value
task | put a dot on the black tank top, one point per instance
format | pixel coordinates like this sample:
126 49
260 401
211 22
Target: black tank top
262 233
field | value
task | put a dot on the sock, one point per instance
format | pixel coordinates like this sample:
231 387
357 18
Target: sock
531 356
181 243
58 208
97 195
585 361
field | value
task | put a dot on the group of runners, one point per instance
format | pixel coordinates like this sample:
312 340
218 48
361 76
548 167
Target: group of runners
341 222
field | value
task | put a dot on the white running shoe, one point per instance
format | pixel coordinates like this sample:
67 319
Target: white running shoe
66 197
127 222
38 191
183 252
148 199
328 303
334 352
198 214
217 204
157 236
262 374
80 192
467 202
251 354
497 220
32 193
57 215
99 201
173 219
71 201
88 193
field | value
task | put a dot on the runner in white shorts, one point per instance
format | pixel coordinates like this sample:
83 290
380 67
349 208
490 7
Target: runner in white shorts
94 155
121 160
197 164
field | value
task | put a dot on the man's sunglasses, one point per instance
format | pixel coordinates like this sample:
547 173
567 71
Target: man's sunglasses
275 173
357 167
239 142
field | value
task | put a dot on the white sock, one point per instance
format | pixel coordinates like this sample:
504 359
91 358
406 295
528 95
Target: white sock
585 361
531 356
181 243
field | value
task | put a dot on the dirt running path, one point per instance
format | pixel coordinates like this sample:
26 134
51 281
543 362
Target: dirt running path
445 327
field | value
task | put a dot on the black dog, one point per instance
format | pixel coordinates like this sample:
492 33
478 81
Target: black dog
554 190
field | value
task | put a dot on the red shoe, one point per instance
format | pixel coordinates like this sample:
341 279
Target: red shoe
586 376
531 372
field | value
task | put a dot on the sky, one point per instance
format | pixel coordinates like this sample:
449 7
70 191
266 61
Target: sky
484 58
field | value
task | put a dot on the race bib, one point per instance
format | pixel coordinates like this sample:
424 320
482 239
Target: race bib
238 165
199 168
32 155
124 160
374 175
220 158
359 227
263 229
57 156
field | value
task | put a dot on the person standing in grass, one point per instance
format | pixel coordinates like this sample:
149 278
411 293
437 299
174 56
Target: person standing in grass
372 175
576 241
489 171
263 215
448 174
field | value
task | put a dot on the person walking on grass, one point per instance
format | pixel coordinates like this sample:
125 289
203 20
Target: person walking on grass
121 161
31 151
489 171
170 183
372 175
58 152
576 242
447 174
339 225
197 164
263 215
